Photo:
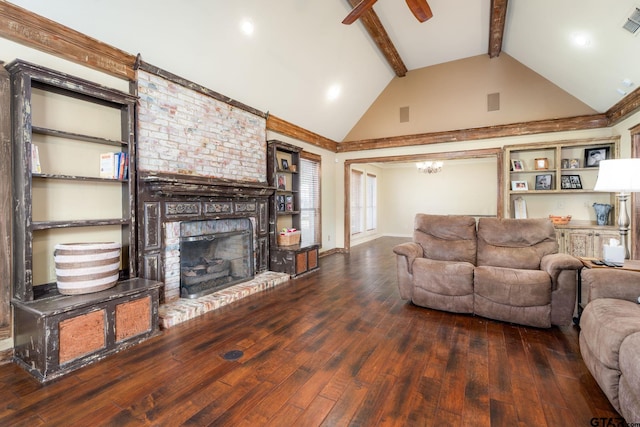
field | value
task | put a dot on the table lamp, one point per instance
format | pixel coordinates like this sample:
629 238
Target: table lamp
620 176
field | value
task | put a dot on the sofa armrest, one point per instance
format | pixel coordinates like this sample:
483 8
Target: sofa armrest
411 250
611 283
554 264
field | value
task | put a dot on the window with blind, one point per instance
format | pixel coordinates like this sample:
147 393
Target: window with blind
372 202
357 202
310 200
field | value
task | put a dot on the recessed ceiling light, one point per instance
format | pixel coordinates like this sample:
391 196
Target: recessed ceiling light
581 40
334 92
247 27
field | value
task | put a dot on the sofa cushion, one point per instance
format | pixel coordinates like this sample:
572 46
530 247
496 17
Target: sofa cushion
605 323
443 285
519 288
515 243
446 237
511 295
629 393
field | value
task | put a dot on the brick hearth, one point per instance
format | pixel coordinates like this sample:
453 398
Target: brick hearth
178 311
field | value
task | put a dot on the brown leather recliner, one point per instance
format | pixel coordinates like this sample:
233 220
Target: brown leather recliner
503 269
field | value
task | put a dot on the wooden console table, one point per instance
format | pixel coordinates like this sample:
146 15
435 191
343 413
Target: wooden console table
59 334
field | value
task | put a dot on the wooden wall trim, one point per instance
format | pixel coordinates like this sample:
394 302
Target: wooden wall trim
499 131
283 127
6 205
624 108
635 199
25 27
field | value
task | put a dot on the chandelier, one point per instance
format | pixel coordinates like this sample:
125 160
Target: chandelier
429 167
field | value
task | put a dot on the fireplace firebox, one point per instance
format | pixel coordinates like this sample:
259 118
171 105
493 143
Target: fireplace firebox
214 255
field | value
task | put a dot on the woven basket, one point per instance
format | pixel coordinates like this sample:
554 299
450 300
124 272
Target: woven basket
289 238
82 268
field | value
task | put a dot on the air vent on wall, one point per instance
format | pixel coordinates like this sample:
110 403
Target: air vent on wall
633 22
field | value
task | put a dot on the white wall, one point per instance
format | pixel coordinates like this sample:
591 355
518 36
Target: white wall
464 187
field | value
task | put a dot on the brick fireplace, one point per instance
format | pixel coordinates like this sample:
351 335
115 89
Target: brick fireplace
201 157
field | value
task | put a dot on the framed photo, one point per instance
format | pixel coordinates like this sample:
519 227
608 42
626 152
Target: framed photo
289 204
592 156
519 208
565 164
570 182
543 182
574 163
285 164
281 203
517 165
542 163
519 186
281 179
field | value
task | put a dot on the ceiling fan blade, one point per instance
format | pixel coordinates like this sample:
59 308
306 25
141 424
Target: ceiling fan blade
357 11
420 9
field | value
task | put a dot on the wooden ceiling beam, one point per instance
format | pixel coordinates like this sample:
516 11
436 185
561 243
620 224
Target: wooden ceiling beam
496 26
380 37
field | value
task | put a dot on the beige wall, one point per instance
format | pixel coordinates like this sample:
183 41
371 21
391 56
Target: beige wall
453 96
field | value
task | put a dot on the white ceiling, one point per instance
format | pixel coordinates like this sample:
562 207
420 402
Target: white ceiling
300 48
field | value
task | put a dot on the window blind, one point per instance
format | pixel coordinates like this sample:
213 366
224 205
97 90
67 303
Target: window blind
310 213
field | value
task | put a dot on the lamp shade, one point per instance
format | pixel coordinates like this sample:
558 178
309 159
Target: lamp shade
619 176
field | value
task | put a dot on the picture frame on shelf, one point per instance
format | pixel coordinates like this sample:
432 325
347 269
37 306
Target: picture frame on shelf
285 164
565 164
543 182
542 163
517 165
281 180
289 203
519 186
592 156
574 163
281 203
519 208
570 182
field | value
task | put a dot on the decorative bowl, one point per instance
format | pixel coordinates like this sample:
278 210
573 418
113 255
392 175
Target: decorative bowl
560 220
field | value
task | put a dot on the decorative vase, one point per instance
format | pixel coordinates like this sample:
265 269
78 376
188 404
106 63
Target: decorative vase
602 213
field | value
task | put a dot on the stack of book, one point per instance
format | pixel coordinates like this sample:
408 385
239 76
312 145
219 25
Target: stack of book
114 165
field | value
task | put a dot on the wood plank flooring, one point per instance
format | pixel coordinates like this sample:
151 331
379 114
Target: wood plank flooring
334 348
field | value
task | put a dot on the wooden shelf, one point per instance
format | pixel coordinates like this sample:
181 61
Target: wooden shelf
76 136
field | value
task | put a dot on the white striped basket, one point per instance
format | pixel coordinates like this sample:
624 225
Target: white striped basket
82 268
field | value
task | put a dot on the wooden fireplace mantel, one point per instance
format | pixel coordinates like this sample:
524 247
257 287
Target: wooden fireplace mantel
190 185
164 198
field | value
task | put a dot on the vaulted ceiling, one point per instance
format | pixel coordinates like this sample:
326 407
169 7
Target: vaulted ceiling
299 51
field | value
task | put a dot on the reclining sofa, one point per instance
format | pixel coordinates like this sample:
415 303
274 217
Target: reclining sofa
610 336
503 269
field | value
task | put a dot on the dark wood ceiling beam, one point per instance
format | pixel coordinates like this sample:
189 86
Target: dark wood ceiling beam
380 37
496 26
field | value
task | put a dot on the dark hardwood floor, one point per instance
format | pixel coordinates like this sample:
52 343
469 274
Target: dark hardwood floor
337 347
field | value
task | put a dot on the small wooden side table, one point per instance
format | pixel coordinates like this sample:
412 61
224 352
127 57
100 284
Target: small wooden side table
629 264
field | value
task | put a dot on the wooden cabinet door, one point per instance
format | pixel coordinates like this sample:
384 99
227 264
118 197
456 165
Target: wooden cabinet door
580 243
